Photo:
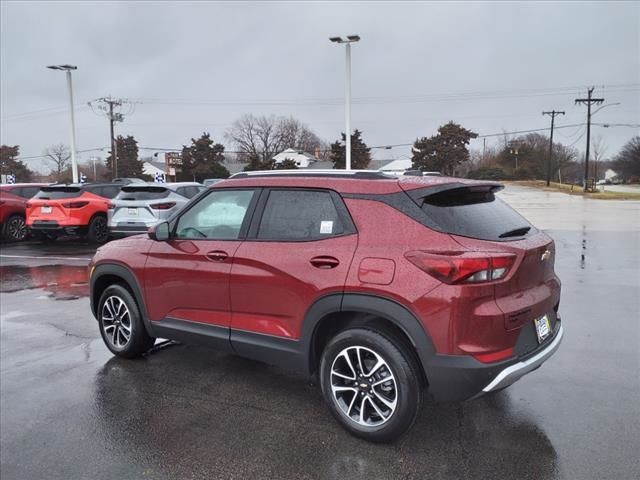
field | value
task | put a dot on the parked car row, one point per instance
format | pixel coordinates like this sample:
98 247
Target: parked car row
95 211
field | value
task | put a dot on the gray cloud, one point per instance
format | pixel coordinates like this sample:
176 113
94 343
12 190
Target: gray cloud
204 64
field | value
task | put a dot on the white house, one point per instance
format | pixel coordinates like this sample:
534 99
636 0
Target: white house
302 159
151 168
397 167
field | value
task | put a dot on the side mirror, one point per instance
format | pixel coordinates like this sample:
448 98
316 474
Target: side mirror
159 232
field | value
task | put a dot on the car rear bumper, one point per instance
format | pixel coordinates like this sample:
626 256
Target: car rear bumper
120 231
454 378
54 226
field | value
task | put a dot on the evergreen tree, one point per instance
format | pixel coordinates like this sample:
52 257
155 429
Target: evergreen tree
128 164
444 151
202 159
360 153
9 165
286 164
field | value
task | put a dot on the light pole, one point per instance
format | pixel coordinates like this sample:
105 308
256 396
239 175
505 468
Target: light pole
74 164
350 39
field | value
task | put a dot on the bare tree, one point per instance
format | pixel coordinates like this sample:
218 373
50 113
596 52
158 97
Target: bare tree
261 137
599 148
58 156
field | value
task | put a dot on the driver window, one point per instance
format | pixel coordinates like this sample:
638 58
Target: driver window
218 216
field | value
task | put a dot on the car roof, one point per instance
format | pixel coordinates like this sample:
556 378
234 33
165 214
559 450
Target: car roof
12 185
182 184
354 181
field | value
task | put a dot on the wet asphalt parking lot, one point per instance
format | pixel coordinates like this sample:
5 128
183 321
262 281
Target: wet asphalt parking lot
70 410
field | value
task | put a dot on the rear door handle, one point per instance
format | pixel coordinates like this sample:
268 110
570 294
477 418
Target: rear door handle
324 262
217 255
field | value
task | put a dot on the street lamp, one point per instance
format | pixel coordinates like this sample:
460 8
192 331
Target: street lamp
349 40
74 164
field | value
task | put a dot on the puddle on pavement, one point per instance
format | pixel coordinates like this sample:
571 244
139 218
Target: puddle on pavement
62 282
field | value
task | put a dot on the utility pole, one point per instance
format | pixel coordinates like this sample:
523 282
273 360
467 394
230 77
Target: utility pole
109 107
588 102
552 114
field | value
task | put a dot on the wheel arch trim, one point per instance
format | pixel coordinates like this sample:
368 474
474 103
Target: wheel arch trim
380 306
129 277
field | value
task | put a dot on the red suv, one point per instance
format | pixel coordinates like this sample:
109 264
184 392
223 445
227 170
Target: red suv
13 204
72 209
384 287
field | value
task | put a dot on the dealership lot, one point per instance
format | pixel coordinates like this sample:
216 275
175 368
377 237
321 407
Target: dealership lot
71 410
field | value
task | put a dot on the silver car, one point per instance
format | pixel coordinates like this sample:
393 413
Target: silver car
141 205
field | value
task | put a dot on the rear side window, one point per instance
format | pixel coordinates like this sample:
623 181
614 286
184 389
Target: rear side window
142 193
475 213
26 192
55 193
299 215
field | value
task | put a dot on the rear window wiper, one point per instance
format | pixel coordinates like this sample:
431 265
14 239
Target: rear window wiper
516 232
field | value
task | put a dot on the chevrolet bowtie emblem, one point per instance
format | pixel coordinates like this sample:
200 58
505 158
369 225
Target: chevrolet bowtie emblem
545 256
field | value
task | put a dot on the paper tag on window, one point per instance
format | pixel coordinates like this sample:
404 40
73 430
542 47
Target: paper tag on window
326 227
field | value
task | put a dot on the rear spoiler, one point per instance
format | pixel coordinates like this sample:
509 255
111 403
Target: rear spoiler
60 188
464 192
132 187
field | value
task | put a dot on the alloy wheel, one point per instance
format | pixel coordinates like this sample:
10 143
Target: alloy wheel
116 322
17 229
101 230
363 386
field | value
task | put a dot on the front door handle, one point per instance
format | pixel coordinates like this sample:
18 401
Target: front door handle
217 255
324 261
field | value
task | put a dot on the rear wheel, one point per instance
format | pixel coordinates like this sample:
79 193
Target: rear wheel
15 230
121 326
98 231
371 384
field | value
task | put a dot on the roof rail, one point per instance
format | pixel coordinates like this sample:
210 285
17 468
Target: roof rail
359 174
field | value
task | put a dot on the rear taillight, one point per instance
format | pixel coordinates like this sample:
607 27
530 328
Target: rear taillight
75 204
463 267
163 206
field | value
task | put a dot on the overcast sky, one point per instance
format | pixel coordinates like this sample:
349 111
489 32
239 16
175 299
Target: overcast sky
197 66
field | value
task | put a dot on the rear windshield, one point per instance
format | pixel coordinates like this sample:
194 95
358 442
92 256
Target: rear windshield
142 193
475 213
54 193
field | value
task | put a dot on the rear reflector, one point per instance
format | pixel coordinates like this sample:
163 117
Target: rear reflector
463 267
494 356
75 204
163 206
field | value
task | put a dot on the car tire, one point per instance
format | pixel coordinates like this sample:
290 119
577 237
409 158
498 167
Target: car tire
98 231
14 229
371 383
121 325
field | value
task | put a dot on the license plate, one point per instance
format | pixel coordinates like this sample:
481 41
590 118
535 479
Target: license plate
46 209
543 328
133 211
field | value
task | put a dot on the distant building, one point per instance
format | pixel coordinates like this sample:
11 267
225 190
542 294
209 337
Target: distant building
302 159
151 168
397 167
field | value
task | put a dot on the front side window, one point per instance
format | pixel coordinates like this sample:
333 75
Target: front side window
217 216
299 215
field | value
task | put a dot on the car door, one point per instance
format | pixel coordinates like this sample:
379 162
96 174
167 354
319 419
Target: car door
187 277
297 251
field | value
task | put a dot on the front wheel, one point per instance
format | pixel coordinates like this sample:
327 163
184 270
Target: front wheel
121 325
371 384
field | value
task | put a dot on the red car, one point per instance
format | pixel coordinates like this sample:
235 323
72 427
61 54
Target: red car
384 287
72 210
13 204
